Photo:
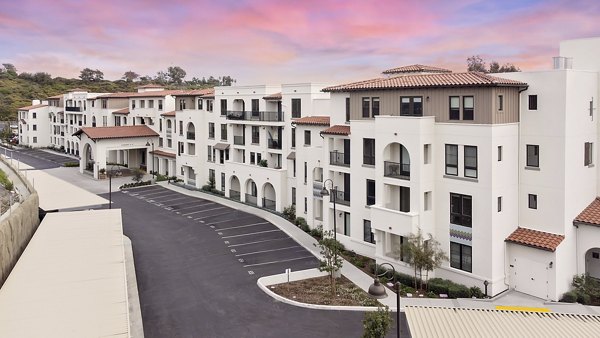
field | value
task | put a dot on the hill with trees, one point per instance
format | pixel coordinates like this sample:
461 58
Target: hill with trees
18 89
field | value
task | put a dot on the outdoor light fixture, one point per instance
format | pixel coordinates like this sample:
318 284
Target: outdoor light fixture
377 291
325 192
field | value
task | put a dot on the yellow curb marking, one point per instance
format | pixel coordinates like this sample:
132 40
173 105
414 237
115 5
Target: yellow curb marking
522 308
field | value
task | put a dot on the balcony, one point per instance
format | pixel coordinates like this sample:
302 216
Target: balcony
234 194
169 132
268 204
191 135
265 116
396 170
340 197
274 144
239 140
77 109
338 158
392 221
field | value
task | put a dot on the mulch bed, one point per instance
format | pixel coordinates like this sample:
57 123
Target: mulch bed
318 291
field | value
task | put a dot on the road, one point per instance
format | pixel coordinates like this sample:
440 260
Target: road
38 159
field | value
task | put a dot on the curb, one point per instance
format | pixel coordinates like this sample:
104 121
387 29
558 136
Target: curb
136 325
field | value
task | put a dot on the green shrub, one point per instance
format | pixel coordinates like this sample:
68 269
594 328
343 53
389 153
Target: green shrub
438 285
569 297
318 233
290 213
476 292
458 291
377 323
9 186
71 164
299 221
405 279
263 163
584 298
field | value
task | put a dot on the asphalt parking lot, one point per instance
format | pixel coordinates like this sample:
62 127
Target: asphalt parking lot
38 159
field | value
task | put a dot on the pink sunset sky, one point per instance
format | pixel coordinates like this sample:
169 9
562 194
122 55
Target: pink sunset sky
269 41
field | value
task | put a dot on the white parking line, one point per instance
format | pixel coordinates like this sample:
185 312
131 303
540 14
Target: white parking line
229 220
242 226
215 215
275 262
159 195
263 251
193 206
256 242
180 204
252 233
174 199
197 212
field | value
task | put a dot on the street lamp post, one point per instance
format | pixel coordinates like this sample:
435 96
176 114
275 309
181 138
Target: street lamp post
148 143
377 291
325 192
111 172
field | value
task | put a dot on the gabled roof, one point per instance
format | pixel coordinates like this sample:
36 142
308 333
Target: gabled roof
312 121
169 113
273 97
123 111
197 92
337 130
416 69
441 80
97 133
536 239
119 95
591 214
33 107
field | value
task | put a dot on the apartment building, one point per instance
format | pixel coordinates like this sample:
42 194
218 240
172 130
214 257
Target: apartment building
33 128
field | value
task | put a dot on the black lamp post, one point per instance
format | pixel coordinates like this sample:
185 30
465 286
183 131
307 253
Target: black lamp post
111 173
148 143
325 192
377 291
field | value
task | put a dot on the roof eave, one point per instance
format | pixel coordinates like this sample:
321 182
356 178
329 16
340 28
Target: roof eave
531 246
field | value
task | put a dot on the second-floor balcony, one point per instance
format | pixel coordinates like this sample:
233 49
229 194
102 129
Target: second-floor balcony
266 116
396 170
191 135
239 140
274 144
339 158
340 197
77 109
169 132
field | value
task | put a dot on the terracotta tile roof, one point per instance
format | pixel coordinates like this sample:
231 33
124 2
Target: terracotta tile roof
97 133
123 111
416 69
169 113
197 92
55 97
591 214
274 97
33 107
312 120
536 239
469 79
119 95
337 130
163 153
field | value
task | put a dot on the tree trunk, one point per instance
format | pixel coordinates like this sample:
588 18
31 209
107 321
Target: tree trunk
415 276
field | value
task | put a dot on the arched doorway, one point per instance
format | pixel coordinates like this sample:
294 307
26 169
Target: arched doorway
269 197
251 192
88 157
234 188
592 262
93 121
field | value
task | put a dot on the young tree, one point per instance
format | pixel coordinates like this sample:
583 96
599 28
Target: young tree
332 260
424 254
130 76
377 323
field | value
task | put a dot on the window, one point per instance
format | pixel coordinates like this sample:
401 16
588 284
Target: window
255 107
34 115
307 137
296 107
427 200
160 142
223 106
150 103
293 196
426 153
104 121
211 130
252 158
182 104
461 209
533 102
532 199
468 108
369 151
200 104
294 168
160 105
180 148
347 109
293 137
346 223
160 124
104 103
499 153
588 154
305 172
499 203
471 161
454 107
366 107
411 106
368 235
169 143
132 104
461 256
533 155
180 126
222 181
142 103
500 102
224 132
255 135
404 199
35 139
374 106
305 205
211 174
452 159
370 192
209 104
34 127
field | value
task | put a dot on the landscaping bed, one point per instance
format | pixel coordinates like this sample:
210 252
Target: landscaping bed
317 291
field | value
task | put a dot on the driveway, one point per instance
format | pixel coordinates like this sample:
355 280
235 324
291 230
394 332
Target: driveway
197 263
38 159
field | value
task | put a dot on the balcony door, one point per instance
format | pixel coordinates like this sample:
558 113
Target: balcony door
347 152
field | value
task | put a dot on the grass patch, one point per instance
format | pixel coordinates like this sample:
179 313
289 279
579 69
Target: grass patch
5 182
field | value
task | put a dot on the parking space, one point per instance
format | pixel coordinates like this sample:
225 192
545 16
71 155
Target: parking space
258 246
39 159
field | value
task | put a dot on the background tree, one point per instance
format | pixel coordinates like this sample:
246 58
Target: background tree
176 74
332 260
424 254
130 76
161 77
91 75
377 323
476 64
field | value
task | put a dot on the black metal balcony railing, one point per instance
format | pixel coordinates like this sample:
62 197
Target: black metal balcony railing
234 194
250 199
274 144
369 159
396 170
268 116
73 108
238 140
94 124
191 135
341 197
337 158
268 204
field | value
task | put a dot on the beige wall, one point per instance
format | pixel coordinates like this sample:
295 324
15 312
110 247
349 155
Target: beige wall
117 103
189 102
438 104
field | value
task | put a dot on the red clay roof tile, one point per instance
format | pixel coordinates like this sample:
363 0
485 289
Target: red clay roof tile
416 69
536 239
33 107
169 113
163 153
123 111
96 133
273 97
312 120
591 214
337 130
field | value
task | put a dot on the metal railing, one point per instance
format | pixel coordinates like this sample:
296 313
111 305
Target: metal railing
239 140
396 170
267 116
191 135
341 197
73 109
250 199
268 204
234 194
338 158
274 144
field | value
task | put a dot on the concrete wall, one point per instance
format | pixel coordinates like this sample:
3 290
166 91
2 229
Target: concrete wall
17 229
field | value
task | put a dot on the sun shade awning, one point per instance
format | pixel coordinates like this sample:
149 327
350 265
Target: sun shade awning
292 156
222 146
